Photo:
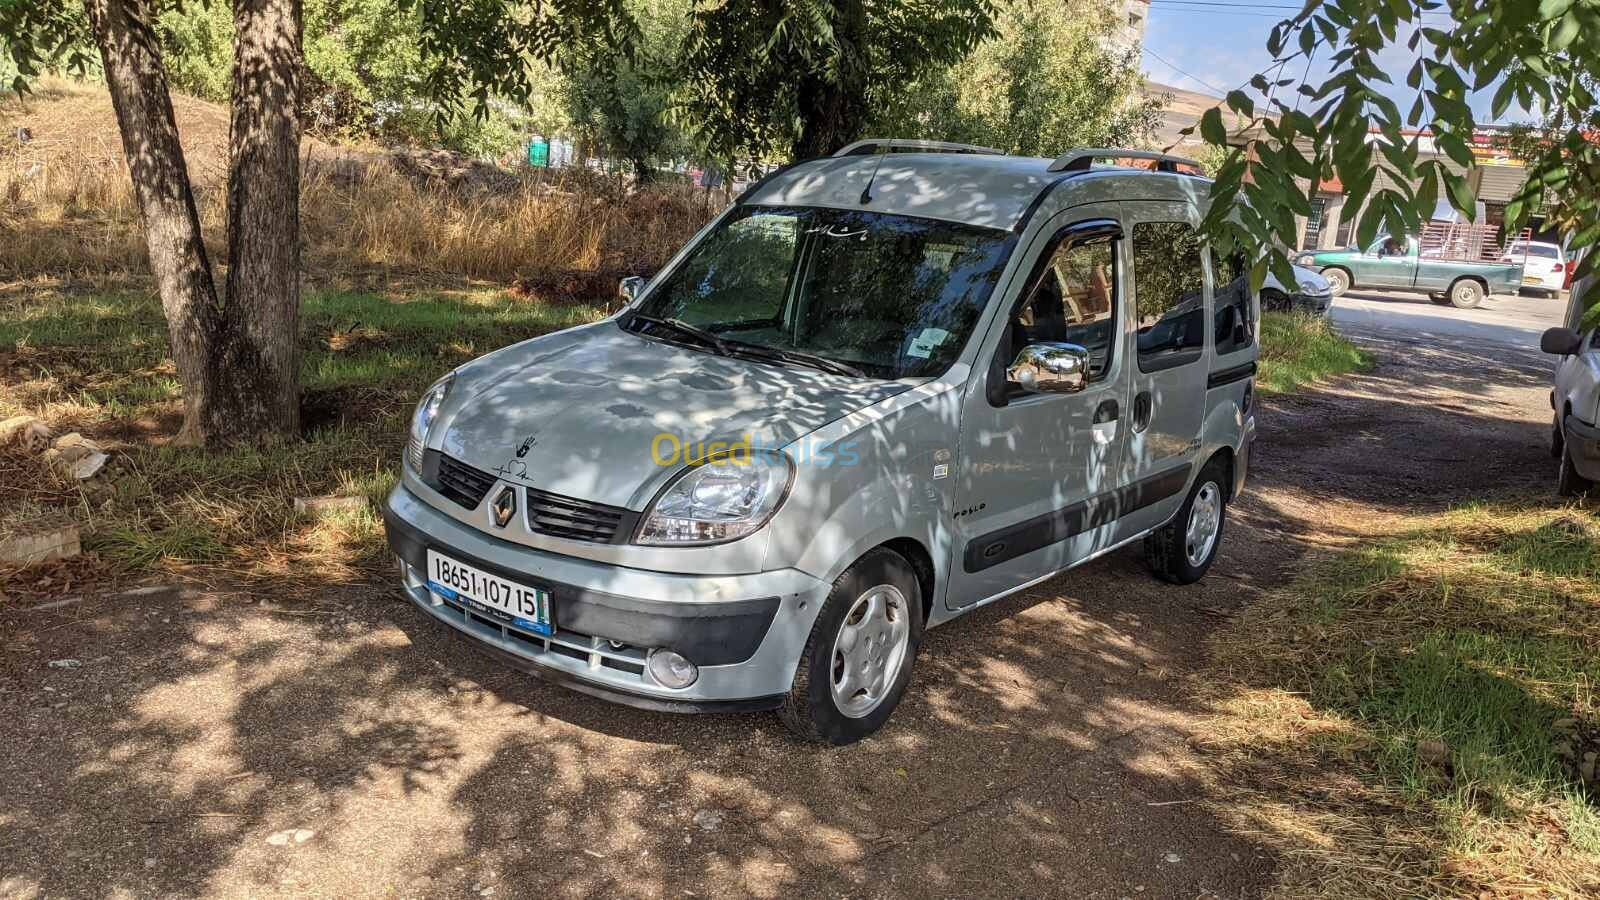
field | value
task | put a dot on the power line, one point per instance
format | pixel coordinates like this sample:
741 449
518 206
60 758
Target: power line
1174 67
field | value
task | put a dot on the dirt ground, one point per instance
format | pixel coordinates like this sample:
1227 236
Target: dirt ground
339 745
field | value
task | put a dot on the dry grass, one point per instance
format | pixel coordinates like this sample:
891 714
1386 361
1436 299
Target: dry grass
73 218
68 212
1420 717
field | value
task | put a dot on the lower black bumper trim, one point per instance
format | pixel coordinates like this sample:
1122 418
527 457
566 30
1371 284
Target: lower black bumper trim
625 698
710 634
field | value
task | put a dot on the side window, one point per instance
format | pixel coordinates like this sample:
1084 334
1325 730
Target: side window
1233 326
1072 299
1169 294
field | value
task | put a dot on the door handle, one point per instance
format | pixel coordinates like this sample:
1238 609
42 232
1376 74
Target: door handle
1141 410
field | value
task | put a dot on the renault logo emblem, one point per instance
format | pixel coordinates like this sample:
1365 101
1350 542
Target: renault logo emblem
503 506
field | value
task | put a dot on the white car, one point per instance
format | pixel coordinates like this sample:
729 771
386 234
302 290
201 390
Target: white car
1312 294
1544 266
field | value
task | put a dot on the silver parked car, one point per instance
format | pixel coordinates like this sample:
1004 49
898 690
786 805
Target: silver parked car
879 391
1311 295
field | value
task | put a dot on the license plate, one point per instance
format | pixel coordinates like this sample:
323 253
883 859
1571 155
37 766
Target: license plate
519 606
1532 279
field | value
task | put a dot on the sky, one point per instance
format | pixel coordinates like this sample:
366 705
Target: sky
1219 45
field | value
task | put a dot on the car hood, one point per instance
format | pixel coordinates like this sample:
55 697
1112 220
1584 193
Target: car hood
590 413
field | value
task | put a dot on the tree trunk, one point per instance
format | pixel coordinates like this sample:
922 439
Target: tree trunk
236 355
833 111
258 346
131 55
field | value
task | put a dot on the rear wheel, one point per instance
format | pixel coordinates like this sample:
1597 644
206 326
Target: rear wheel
1182 550
1466 293
857 662
1338 280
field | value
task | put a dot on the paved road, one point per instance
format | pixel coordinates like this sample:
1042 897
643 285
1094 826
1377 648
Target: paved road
1501 319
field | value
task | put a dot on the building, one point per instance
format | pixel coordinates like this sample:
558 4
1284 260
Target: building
1495 179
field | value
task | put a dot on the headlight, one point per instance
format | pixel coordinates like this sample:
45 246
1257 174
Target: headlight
1307 260
422 420
718 501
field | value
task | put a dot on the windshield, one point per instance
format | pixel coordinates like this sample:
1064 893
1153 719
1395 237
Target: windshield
889 296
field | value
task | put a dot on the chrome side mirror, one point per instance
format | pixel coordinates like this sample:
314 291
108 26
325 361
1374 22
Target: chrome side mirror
629 288
1561 341
1050 368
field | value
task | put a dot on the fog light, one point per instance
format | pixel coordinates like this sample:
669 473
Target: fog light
671 670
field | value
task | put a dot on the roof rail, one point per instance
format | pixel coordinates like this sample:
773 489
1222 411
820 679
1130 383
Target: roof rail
1080 159
889 145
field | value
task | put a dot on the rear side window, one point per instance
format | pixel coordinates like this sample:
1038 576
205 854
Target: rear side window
1073 300
1169 294
1233 324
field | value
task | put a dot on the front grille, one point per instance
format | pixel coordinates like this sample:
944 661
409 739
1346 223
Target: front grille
460 482
575 520
546 513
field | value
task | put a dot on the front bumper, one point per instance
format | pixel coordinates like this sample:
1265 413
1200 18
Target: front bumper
744 632
1314 304
1583 442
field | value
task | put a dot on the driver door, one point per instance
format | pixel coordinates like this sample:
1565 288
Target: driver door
1038 471
1387 263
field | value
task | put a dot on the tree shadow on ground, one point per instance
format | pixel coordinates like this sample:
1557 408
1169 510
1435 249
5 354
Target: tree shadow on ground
347 746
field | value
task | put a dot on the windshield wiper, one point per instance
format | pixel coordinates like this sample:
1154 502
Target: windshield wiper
684 328
831 366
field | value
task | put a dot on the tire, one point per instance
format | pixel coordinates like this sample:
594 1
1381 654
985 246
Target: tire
1465 293
1275 301
1169 550
812 709
1441 299
1568 482
1558 441
1338 280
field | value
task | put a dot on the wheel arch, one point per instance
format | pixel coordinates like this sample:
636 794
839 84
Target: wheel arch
1225 455
921 562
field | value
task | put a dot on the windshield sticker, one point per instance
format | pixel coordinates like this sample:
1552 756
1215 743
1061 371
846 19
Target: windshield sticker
925 343
839 231
940 256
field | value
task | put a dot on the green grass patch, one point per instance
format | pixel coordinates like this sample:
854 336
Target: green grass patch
1299 349
100 364
1458 667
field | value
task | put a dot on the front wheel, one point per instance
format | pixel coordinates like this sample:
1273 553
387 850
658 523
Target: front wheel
1182 550
1466 293
857 662
1338 280
1568 482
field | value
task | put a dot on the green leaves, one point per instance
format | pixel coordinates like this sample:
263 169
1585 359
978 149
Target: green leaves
1211 127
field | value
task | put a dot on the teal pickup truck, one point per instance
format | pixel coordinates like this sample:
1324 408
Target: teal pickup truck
1394 264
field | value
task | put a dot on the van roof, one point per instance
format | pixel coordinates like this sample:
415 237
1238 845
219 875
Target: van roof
987 190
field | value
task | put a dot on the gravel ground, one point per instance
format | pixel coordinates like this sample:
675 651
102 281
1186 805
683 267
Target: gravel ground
213 743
